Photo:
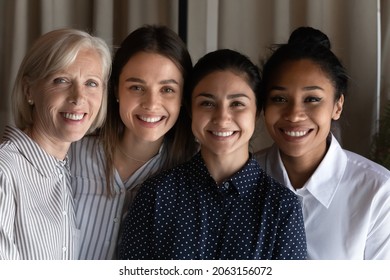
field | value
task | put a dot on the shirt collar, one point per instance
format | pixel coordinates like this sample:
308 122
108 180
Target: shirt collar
247 178
242 181
325 180
39 158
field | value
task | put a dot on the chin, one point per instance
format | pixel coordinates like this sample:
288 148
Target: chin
73 137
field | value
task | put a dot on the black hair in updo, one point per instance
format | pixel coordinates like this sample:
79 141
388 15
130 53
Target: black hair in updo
309 36
312 44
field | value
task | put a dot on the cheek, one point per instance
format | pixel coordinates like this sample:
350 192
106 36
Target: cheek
96 100
270 116
173 107
125 111
46 112
323 116
198 122
247 119
48 103
127 103
324 121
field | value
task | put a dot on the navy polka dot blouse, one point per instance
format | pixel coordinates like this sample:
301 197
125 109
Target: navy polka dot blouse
183 214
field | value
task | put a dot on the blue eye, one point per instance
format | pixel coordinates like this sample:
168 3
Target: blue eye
92 84
59 81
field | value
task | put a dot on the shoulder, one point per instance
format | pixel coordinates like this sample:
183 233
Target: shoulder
366 176
360 166
261 155
278 190
88 146
357 165
10 164
86 158
170 177
89 143
275 192
9 155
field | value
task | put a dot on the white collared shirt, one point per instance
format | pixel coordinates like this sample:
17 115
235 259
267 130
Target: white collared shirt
37 220
345 203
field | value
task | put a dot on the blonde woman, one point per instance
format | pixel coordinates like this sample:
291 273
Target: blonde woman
59 95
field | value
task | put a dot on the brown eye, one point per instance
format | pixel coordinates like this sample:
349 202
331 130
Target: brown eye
312 99
278 99
168 90
237 104
207 104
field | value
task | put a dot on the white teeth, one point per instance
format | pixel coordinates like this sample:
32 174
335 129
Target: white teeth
296 133
223 134
74 117
150 120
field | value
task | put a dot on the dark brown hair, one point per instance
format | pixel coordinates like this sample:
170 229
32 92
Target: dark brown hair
179 140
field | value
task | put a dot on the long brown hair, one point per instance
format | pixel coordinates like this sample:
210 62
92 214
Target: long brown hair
179 141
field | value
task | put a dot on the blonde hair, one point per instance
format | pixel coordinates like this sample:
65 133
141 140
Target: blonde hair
49 54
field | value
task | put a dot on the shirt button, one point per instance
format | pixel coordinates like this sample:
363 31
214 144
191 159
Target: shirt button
60 176
115 220
226 185
64 213
64 249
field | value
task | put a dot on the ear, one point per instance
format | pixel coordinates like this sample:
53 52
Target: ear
338 108
27 89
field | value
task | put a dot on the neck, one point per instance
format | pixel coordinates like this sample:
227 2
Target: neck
54 148
300 169
138 151
130 155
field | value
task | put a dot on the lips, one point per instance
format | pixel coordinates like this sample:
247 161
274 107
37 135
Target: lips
296 133
222 133
73 116
150 119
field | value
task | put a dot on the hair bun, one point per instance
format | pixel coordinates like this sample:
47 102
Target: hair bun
309 36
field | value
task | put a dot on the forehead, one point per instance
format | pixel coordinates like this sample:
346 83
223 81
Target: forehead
151 66
223 83
303 71
149 60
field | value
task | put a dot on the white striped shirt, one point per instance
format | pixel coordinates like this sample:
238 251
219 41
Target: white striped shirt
98 216
37 220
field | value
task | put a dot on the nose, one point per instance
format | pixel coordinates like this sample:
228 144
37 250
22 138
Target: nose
221 116
294 112
77 95
150 100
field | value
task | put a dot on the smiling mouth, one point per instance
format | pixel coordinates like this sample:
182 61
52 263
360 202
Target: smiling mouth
150 119
222 133
296 133
73 117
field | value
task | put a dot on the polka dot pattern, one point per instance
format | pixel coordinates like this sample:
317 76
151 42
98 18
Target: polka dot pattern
183 214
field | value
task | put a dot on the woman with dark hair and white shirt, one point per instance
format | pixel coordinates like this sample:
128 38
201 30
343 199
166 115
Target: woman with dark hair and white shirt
59 95
345 197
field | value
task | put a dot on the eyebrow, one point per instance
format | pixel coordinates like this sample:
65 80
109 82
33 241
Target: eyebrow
163 82
230 96
308 88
